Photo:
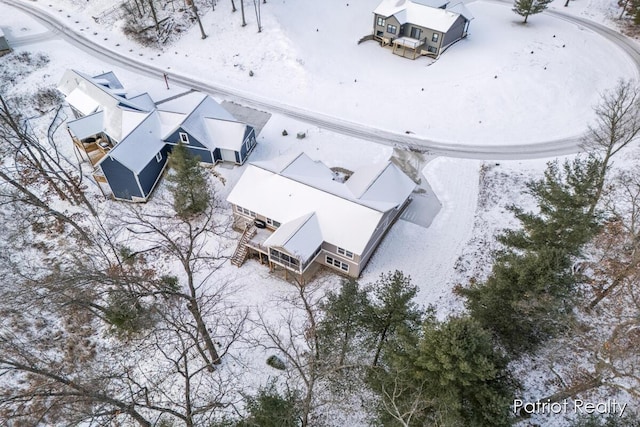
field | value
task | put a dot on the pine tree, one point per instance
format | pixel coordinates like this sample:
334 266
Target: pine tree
446 373
564 198
188 184
466 377
526 299
530 7
343 320
392 309
269 408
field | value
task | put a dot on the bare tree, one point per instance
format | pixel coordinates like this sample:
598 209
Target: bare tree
189 242
294 336
617 124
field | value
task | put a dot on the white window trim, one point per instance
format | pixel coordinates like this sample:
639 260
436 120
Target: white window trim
435 37
184 138
379 20
334 262
345 253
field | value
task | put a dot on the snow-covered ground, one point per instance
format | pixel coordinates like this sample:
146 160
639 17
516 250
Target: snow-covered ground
505 84
546 74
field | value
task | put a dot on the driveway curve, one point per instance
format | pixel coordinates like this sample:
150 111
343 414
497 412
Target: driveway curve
540 149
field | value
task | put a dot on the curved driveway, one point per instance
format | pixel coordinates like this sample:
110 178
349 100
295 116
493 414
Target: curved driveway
541 149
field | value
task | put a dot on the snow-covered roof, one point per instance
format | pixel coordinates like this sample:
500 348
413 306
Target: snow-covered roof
87 126
194 124
300 237
461 9
110 80
425 13
82 101
345 219
225 134
140 145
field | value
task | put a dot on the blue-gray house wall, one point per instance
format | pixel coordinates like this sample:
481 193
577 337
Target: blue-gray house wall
150 174
121 180
250 135
195 147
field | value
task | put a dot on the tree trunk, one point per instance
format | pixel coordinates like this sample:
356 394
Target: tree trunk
154 15
194 9
244 22
233 6
379 347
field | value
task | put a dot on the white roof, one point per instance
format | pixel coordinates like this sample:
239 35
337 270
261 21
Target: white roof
461 9
87 126
300 237
81 101
343 219
426 13
225 134
140 145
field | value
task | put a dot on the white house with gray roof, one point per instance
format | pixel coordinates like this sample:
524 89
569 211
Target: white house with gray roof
296 212
420 27
127 137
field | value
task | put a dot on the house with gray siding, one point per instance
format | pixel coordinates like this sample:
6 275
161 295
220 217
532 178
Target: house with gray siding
128 137
296 214
413 28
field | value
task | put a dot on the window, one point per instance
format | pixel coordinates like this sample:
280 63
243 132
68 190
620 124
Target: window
184 138
380 21
159 157
248 144
434 38
379 33
273 223
432 49
391 29
415 33
247 212
345 252
337 263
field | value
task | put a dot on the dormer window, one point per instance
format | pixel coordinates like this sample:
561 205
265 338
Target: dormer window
184 138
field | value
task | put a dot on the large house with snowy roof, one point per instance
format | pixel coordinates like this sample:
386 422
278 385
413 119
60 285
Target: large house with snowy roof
420 27
127 137
297 213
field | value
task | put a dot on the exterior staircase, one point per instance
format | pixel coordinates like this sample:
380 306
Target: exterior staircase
240 254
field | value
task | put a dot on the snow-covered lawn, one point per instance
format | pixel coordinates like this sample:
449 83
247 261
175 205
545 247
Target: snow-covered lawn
507 83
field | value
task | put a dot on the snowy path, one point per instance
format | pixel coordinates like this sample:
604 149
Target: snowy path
407 141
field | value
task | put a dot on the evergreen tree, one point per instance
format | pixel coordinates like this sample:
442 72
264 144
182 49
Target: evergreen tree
526 299
529 295
343 320
188 184
447 374
392 309
271 409
530 7
564 198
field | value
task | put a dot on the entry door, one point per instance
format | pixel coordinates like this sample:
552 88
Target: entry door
415 33
228 155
